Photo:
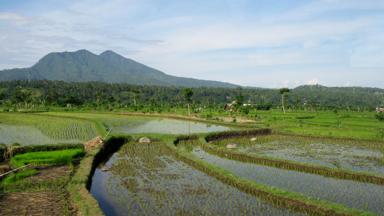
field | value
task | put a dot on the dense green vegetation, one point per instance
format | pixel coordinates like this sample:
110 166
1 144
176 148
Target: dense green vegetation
380 116
41 95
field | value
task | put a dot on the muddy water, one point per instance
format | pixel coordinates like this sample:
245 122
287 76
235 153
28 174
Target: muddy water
352 194
145 179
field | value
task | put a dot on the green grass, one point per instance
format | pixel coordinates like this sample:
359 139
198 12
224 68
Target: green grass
344 124
79 196
60 157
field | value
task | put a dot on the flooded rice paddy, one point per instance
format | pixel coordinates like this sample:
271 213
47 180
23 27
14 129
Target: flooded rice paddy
363 196
136 125
145 179
27 135
130 124
361 157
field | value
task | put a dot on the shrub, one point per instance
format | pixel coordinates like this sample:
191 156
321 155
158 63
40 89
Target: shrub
305 117
263 106
3 150
380 116
185 138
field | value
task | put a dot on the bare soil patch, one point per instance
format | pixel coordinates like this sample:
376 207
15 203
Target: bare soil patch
43 202
32 203
50 173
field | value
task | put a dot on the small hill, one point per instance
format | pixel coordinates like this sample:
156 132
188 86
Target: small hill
109 67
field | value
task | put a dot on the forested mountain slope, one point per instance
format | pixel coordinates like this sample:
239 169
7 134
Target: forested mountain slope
109 67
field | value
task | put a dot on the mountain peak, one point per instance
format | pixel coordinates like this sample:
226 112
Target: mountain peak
82 51
84 66
110 53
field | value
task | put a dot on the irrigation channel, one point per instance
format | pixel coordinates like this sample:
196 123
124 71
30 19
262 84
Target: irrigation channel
350 193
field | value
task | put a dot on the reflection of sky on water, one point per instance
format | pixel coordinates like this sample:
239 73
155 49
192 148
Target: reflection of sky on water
165 126
353 194
146 180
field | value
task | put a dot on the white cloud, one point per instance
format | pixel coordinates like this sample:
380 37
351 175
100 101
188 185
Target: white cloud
13 18
276 48
313 81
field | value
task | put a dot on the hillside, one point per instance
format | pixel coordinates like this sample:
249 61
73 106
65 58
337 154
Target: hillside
109 67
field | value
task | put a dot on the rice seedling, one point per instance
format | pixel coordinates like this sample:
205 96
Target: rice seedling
14 177
353 194
354 155
128 124
60 157
39 129
147 179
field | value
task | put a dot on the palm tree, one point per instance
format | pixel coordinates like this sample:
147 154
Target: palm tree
188 93
283 92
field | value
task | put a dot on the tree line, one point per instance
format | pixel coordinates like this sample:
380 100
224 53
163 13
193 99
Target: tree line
92 95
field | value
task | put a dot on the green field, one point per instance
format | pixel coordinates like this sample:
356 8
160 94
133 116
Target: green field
68 127
346 124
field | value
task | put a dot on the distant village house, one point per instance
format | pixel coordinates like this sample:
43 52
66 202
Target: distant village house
379 109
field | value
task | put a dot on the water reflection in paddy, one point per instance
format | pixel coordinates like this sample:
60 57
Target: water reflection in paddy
145 179
353 194
135 125
353 155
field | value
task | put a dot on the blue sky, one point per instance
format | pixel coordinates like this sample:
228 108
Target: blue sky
264 43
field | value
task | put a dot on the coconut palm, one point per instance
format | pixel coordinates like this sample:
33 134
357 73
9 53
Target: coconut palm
283 92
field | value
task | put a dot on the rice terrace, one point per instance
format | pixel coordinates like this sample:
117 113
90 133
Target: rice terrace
188 169
284 115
